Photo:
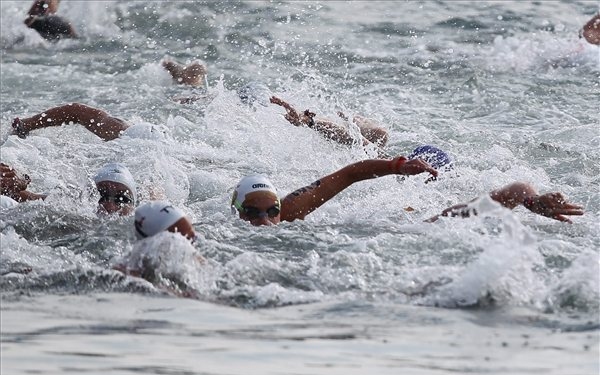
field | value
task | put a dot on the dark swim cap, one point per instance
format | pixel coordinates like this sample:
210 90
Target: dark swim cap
437 158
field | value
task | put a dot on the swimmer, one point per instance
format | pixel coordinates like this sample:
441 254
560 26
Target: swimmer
149 260
553 205
256 200
193 74
113 181
95 120
117 188
370 131
157 216
591 30
42 19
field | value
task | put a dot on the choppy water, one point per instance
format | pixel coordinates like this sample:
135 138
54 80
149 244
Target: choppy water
361 286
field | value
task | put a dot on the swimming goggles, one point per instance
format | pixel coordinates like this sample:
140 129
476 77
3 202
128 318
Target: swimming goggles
121 198
255 213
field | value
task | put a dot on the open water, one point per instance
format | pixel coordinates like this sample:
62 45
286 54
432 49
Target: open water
363 286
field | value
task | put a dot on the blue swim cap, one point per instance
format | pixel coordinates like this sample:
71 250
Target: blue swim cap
437 158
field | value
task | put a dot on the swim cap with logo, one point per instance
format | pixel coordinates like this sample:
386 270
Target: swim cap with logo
251 184
146 131
117 172
154 217
436 157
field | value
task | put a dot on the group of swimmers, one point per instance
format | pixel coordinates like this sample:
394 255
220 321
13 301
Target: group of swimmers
255 198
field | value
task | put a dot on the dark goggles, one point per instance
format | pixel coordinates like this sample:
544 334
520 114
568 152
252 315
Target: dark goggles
255 213
121 198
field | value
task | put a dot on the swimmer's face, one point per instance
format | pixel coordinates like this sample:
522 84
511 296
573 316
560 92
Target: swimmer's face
184 227
115 198
261 208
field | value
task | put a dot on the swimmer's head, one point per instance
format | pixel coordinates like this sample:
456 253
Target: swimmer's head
154 217
255 92
434 156
256 201
146 131
117 189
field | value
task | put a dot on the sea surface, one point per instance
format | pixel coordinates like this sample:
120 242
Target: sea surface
363 285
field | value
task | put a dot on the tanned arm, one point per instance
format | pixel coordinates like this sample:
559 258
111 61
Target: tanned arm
307 199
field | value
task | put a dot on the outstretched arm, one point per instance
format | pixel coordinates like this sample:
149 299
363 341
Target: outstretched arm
591 30
95 120
552 205
307 199
15 186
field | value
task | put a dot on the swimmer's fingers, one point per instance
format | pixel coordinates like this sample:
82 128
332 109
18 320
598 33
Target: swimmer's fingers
562 218
416 166
561 214
573 206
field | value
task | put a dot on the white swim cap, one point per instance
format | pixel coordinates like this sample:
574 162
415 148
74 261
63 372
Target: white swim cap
146 131
250 184
117 172
154 217
7 202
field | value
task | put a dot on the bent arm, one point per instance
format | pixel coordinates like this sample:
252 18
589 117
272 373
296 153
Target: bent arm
95 120
303 201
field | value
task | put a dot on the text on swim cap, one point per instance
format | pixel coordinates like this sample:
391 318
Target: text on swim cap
257 186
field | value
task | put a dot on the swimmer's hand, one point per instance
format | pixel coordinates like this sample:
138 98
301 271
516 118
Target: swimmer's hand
411 167
14 185
553 205
292 115
19 128
11 183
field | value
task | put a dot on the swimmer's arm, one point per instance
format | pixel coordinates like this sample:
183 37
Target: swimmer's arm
191 74
591 30
291 115
305 200
29 196
552 205
95 120
43 7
